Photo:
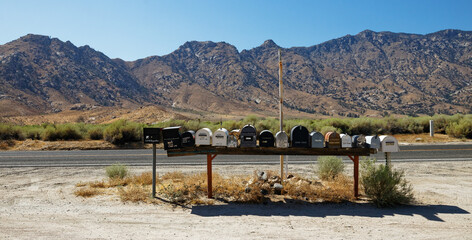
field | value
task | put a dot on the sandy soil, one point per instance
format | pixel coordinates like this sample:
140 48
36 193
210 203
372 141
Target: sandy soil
38 203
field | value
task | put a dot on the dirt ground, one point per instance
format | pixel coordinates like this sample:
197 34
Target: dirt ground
38 203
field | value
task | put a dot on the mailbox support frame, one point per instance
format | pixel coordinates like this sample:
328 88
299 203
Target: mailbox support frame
212 152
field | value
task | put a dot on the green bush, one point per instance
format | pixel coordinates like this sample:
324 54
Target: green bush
95 133
385 186
329 167
123 131
117 171
462 129
61 132
9 132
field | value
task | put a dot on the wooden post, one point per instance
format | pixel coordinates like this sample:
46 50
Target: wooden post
355 159
210 175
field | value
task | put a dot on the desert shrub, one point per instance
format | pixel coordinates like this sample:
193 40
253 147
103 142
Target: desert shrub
33 133
60 132
385 186
123 131
462 129
329 167
9 132
117 170
95 133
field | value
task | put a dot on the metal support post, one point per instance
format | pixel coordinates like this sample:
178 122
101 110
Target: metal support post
154 170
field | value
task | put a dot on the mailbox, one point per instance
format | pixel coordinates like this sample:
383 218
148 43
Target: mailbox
247 136
300 137
358 141
233 138
172 138
203 137
316 140
220 138
266 139
388 144
346 141
152 135
373 141
281 140
333 140
188 139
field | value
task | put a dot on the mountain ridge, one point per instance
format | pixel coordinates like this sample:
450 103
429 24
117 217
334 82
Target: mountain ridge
368 73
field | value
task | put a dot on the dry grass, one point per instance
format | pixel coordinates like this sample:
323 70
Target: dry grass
134 193
87 192
177 187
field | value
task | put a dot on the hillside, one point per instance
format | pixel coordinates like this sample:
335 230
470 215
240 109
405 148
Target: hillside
371 73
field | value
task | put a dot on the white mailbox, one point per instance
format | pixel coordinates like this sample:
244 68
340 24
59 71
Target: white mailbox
220 137
203 137
281 140
373 141
346 141
388 144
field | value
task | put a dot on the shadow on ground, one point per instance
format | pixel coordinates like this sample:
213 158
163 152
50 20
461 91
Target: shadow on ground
429 212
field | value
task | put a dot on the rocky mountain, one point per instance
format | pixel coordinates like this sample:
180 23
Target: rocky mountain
43 74
371 73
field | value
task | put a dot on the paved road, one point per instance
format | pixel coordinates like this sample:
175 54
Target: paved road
143 157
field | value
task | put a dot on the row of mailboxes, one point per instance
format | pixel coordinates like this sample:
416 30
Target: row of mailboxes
299 138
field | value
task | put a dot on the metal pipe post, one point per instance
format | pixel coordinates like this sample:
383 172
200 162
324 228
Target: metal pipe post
154 170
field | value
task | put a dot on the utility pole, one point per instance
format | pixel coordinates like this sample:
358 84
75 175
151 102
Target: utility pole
281 114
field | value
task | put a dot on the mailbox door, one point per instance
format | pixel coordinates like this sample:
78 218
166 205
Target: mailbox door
266 139
172 138
281 140
203 137
188 139
300 137
317 140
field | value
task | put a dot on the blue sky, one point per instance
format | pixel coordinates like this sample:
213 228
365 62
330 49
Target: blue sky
140 28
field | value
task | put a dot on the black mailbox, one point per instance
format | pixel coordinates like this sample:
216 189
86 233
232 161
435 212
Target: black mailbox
266 139
172 138
248 136
188 139
300 137
152 135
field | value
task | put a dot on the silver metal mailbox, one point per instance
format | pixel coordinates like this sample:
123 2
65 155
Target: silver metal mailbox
373 141
388 144
346 141
203 137
316 140
281 140
220 137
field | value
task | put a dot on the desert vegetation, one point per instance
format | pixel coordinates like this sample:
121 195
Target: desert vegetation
386 187
122 131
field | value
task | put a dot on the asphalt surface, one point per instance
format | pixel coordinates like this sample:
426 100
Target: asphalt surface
143 157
